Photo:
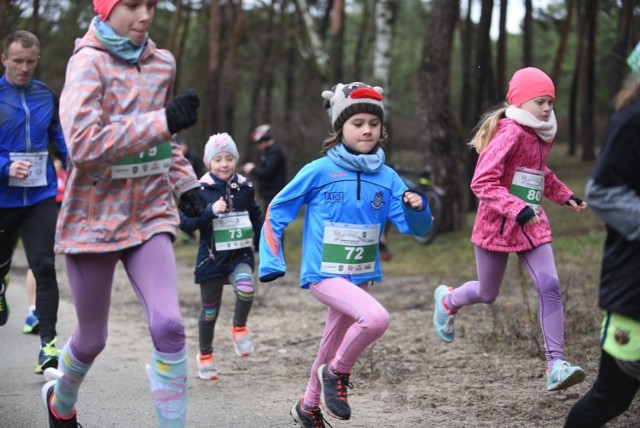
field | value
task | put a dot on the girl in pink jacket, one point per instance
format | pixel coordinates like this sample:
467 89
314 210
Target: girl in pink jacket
118 116
510 179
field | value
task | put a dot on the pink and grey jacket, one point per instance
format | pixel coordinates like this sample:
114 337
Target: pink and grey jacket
495 227
110 110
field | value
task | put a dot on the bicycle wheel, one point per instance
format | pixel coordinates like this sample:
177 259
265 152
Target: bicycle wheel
435 204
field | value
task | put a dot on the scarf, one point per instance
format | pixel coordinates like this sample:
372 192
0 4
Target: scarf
365 162
545 130
122 47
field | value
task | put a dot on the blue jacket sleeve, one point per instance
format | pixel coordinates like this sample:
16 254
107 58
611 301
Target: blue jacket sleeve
405 218
284 208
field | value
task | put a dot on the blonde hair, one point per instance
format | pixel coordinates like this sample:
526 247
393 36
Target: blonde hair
629 92
487 127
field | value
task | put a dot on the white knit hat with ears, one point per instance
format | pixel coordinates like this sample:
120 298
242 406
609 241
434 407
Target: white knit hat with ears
219 143
345 100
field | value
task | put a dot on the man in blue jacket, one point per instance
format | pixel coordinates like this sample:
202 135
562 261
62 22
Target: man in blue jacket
29 125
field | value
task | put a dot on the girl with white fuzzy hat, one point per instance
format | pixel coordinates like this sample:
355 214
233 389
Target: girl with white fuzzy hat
229 229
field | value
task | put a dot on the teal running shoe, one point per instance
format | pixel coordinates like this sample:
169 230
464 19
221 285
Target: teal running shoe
48 357
563 375
442 318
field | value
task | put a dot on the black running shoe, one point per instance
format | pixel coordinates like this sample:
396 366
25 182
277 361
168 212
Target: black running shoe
4 305
334 392
307 418
54 421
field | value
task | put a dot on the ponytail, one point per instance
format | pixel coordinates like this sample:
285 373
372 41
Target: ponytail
486 128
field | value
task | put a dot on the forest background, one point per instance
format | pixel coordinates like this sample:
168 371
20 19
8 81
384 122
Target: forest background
442 64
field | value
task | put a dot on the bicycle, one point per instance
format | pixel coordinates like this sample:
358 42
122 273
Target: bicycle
433 193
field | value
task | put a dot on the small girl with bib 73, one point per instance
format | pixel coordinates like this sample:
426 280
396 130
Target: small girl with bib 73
510 178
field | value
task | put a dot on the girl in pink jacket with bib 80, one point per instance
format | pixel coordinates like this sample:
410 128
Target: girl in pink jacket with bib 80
510 179
118 116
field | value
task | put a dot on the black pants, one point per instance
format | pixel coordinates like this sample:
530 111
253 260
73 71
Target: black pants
610 395
36 225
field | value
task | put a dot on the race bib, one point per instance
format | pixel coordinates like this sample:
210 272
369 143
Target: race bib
528 185
232 231
37 173
349 249
156 160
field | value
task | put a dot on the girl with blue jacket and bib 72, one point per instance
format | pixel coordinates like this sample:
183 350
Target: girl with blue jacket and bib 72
349 195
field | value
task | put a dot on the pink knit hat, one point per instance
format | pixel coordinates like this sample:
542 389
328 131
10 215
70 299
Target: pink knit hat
528 83
104 7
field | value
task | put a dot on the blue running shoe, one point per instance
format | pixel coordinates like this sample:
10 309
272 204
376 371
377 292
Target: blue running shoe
48 357
307 418
31 324
442 318
563 375
334 392
4 305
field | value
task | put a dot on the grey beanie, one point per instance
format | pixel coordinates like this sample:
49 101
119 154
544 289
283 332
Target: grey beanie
219 143
352 98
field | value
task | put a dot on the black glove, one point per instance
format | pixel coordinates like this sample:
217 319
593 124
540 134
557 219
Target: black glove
525 215
574 198
182 112
192 203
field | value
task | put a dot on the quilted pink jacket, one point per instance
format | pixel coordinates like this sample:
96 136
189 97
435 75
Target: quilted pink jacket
495 226
110 110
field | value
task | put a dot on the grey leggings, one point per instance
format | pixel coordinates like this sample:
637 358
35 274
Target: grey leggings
241 278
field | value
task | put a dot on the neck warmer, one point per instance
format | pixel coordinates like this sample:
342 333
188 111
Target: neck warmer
545 130
365 162
122 47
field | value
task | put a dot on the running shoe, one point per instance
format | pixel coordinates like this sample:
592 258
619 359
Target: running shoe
31 324
206 367
48 356
242 341
54 420
307 418
443 318
563 375
4 305
334 392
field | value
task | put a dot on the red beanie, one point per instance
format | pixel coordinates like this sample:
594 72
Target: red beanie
104 7
528 83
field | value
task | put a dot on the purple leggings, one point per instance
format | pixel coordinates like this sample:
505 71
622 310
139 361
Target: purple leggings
541 266
355 319
151 268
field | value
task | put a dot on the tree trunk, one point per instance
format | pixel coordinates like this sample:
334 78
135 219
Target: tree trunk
359 55
175 27
183 40
439 134
310 46
618 62
501 61
466 113
562 44
484 97
214 71
35 18
587 115
575 84
337 41
236 19
527 35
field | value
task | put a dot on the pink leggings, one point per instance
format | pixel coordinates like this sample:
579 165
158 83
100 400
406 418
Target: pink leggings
151 268
355 319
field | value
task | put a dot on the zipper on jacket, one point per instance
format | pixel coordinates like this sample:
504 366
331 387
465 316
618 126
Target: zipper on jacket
358 185
504 221
27 134
528 239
